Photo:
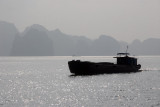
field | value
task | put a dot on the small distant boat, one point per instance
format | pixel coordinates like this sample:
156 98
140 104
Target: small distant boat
125 64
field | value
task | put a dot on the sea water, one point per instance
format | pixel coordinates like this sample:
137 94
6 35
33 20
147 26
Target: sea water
47 82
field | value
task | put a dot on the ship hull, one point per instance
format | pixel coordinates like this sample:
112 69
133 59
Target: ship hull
92 68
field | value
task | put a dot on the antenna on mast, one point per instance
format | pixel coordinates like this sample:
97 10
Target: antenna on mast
127 49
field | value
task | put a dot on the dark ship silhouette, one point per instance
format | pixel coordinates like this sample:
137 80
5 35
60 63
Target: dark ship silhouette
125 64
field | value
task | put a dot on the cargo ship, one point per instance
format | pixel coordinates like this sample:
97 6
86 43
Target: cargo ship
124 64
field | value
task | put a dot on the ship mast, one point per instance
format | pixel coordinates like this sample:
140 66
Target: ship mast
126 50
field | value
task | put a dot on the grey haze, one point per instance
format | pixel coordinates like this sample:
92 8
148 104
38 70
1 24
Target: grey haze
122 19
36 40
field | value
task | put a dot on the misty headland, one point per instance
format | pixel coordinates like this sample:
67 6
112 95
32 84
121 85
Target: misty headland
36 40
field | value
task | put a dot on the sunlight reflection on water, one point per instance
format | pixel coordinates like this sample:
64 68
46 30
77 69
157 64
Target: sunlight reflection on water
46 81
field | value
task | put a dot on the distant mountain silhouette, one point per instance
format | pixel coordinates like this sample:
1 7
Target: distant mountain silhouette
69 45
33 43
149 46
63 44
83 46
37 27
105 45
7 36
36 40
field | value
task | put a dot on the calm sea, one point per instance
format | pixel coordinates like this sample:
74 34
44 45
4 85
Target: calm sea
46 81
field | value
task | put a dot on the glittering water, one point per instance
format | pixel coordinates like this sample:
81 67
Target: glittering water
46 81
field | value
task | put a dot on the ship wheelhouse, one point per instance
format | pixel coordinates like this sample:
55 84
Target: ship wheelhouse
124 59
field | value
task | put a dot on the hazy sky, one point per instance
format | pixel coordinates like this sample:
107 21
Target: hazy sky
123 19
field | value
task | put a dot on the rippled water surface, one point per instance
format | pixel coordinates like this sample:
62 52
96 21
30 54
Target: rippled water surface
46 81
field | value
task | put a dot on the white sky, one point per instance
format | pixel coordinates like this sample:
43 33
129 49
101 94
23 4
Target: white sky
122 19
